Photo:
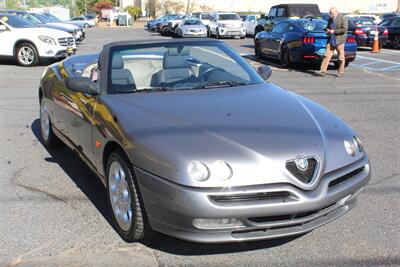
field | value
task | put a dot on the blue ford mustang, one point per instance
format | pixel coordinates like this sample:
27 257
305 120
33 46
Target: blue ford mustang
299 41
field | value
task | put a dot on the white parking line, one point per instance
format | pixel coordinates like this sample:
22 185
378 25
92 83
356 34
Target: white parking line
380 60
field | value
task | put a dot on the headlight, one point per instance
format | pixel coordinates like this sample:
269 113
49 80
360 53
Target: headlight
221 170
47 40
350 148
358 144
198 171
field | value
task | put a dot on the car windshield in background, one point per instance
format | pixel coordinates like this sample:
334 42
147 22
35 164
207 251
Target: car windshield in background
304 12
17 22
41 17
228 17
193 22
51 17
363 22
189 66
313 25
29 17
205 16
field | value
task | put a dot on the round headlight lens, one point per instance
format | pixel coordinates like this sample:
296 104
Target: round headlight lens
198 171
358 144
350 148
221 170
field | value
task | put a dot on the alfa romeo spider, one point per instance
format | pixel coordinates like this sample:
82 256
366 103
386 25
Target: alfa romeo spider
191 141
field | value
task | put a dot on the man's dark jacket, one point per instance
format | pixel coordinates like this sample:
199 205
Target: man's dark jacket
340 28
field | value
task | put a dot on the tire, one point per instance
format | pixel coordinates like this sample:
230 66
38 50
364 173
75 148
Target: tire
26 55
396 42
285 57
46 127
217 34
123 194
165 31
86 25
257 50
346 64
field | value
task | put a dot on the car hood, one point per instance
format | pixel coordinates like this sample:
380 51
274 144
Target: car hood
57 27
37 31
65 25
256 129
194 27
231 22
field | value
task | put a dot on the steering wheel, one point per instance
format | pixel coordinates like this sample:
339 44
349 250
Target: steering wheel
207 73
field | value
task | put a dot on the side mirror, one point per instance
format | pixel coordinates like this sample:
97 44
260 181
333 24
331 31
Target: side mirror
81 84
265 72
3 28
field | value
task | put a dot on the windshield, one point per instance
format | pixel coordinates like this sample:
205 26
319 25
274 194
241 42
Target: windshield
205 16
17 22
228 17
313 25
304 11
177 66
51 17
363 21
192 22
29 17
40 17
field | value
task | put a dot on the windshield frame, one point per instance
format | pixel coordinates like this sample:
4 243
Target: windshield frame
107 54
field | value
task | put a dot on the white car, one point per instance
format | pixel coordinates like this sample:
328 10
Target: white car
226 25
28 44
82 21
250 23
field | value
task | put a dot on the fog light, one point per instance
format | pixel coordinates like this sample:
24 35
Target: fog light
217 223
49 52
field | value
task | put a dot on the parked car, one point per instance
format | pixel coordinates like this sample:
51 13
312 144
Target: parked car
28 44
54 20
390 15
191 28
173 25
393 26
159 25
375 18
165 125
299 41
149 25
364 31
204 17
226 25
82 21
285 11
32 17
250 23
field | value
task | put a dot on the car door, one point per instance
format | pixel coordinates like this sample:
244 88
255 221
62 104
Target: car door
277 36
250 24
74 112
7 40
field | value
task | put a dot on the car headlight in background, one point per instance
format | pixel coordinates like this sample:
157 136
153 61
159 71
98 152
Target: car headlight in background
198 171
221 170
47 40
350 147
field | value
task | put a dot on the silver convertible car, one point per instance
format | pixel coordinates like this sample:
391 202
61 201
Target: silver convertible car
191 141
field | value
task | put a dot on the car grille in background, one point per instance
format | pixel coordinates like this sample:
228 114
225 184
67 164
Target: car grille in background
345 177
68 41
259 196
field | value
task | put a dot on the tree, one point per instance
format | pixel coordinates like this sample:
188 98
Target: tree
134 11
103 5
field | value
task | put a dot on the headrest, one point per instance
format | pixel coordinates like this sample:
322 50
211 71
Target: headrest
117 61
174 58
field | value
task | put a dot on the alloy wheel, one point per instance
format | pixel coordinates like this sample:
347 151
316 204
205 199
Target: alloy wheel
26 55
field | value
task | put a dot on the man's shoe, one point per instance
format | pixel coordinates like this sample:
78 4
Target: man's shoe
319 73
340 75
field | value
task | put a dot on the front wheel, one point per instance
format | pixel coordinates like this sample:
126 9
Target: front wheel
257 50
26 55
46 127
124 199
86 25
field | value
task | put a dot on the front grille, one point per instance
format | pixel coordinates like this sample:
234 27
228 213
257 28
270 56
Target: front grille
301 215
68 41
262 196
306 175
345 177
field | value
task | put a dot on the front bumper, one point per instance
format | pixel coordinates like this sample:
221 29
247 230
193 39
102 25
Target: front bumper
265 212
200 35
232 32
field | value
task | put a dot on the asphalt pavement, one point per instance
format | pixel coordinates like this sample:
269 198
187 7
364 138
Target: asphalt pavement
53 210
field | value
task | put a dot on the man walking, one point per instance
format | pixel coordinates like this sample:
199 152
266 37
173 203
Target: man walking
337 35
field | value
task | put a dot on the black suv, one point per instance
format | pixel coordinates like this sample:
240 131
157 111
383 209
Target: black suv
284 11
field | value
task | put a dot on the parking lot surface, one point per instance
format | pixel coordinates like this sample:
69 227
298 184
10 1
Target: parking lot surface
53 210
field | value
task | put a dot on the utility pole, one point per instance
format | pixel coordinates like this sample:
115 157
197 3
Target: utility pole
398 6
188 4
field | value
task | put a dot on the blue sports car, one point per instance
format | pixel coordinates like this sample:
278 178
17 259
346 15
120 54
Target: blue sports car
299 41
